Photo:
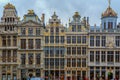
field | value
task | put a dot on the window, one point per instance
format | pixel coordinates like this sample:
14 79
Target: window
91 40
23 31
73 39
57 63
30 43
3 40
57 39
68 50
103 41
51 39
91 56
62 62
68 62
117 41
73 28
30 31
83 39
9 40
110 57
78 39
110 25
117 56
73 50
105 25
9 56
52 62
83 62
38 43
62 39
97 40
52 30
83 50
46 39
23 43
79 27
23 59
103 55
68 39
73 62
14 55
97 56
30 58
46 62
14 41
38 58
57 29
4 56
37 31
78 50
78 62
37 72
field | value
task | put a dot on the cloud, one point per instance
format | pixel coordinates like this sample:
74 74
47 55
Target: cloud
64 8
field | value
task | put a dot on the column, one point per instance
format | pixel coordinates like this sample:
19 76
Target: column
11 69
106 76
11 40
0 72
89 74
113 72
94 73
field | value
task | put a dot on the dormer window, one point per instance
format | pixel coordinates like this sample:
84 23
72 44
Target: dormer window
104 25
110 25
30 31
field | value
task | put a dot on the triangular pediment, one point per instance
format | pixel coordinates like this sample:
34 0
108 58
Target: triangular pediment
30 23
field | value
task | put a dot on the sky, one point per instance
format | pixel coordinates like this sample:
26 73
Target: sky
64 8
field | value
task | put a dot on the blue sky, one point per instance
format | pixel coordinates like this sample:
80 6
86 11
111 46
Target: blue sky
64 8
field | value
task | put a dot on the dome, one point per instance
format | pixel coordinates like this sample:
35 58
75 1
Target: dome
109 13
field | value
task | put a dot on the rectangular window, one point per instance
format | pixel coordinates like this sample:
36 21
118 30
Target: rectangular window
83 50
110 25
117 56
9 56
38 58
117 41
73 62
46 39
4 54
103 41
68 39
23 31
68 62
78 62
97 40
78 39
78 50
57 39
30 31
73 50
91 56
84 39
14 55
3 40
23 43
14 41
110 57
9 40
30 43
97 56
68 50
103 55
30 58
23 59
91 40
38 43
37 31
73 39
51 39
83 62
62 39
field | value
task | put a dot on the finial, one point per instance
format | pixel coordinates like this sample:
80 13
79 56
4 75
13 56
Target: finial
109 1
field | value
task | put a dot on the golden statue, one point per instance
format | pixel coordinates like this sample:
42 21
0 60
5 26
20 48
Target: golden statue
30 11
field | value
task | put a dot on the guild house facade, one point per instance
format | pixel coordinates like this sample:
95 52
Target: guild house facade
31 48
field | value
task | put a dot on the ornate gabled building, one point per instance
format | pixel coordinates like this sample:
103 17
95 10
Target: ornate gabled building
8 43
30 46
76 47
104 48
54 49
